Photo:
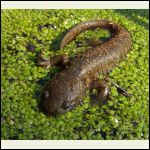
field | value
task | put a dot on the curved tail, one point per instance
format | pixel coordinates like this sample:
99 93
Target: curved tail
104 24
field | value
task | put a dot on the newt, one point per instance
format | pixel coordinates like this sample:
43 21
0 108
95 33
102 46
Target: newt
67 88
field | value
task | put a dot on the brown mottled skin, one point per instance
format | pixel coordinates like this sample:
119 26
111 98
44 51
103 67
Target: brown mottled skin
67 88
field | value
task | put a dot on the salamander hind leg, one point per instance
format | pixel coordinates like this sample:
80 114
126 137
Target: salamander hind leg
99 92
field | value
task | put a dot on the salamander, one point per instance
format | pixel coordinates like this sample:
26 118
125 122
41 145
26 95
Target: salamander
67 88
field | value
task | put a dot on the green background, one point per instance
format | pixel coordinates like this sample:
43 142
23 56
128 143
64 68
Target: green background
22 80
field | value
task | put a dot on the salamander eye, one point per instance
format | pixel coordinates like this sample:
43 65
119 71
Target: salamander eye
65 105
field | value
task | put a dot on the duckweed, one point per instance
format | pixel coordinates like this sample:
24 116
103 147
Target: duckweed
26 32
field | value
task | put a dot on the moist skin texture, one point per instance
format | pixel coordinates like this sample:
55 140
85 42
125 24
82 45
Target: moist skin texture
67 88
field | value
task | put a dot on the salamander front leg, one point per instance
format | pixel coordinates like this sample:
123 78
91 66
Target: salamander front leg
57 60
99 92
43 61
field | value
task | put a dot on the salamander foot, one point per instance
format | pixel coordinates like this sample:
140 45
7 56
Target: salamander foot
119 89
57 60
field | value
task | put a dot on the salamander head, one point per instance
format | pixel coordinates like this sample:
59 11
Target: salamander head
52 104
